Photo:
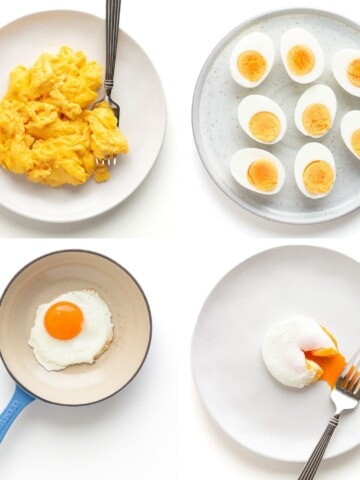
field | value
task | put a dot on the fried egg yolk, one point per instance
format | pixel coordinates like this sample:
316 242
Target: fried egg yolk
63 320
300 60
264 126
353 72
318 177
316 119
263 175
355 142
252 65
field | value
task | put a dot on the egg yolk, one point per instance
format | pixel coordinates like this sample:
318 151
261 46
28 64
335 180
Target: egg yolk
63 320
264 126
318 177
331 365
252 65
316 119
263 175
355 142
300 60
353 72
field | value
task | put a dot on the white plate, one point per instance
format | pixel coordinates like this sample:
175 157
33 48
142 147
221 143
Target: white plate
241 396
137 89
218 134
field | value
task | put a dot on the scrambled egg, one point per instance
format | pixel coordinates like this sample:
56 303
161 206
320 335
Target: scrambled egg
46 132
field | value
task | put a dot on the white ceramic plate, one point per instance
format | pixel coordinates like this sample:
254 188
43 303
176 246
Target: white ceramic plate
137 89
238 392
218 134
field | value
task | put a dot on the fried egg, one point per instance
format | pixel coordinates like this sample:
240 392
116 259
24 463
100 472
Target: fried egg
252 59
345 66
298 351
350 131
314 170
258 170
315 111
302 55
71 329
262 119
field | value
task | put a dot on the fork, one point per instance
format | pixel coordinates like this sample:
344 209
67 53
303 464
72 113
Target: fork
112 31
345 395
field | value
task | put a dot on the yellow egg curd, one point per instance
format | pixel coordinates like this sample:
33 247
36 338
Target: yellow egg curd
252 65
263 175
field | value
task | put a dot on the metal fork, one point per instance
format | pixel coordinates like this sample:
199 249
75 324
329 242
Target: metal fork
345 395
112 29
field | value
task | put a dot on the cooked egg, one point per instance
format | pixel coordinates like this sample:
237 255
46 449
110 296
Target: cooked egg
252 59
71 329
258 170
298 351
302 55
315 111
350 131
346 70
262 119
314 170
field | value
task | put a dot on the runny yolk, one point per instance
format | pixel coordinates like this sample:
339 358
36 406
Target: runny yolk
318 177
252 65
355 142
63 320
331 366
353 72
264 126
300 60
316 119
262 174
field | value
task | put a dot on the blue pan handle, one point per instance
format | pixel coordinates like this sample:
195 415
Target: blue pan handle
17 403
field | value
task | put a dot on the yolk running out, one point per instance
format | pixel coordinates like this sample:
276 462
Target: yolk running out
316 119
355 142
252 65
264 126
318 177
63 320
353 72
331 366
300 60
262 174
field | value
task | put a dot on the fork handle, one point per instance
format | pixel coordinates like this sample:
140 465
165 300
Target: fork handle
112 31
314 461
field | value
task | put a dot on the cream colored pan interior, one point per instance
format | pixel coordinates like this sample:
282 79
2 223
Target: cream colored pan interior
43 280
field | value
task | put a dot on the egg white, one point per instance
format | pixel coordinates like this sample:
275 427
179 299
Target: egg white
339 65
94 338
299 36
252 104
315 94
256 41
349 124
241 161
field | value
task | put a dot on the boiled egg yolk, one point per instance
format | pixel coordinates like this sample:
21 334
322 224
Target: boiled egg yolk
264 126
252 65
263 175
318 177
63 320
300 60
353 72
316 119
355 142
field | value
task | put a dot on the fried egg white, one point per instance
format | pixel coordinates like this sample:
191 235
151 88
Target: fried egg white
73 328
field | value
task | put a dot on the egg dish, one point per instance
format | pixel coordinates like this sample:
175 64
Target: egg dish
46 131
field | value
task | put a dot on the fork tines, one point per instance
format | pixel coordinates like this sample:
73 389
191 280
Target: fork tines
349 379
105 161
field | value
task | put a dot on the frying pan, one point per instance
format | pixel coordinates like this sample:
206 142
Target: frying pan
41 281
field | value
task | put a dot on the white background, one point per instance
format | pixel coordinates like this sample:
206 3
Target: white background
188 235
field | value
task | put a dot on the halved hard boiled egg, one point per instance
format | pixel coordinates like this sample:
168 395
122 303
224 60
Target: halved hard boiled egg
314 170
262 119
252 59
302 55
299 351
315 111
258 170
350 131
346 70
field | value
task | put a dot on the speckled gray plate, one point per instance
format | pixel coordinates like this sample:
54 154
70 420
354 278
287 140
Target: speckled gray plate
218 135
